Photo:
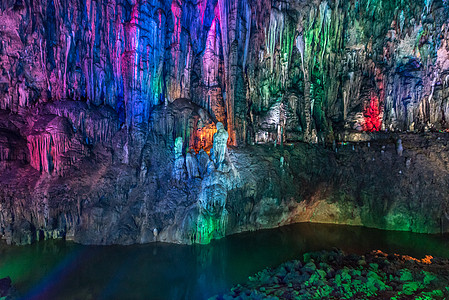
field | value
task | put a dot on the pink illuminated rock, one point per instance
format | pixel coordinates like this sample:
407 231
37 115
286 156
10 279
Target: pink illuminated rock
109 108
48 141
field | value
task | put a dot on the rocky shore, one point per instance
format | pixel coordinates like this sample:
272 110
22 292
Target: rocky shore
336 275
7 290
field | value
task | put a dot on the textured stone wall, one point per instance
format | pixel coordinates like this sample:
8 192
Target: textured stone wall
295 70
109 109
195 198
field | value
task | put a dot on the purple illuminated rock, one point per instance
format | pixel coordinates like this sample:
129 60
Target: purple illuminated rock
95 94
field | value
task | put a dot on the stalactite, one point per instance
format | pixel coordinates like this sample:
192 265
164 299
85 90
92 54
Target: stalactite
428 4
97 125
65 65
48 146
326 32
227 12
401 20
210 62
248 33
301 48
184 119
275 32
135 56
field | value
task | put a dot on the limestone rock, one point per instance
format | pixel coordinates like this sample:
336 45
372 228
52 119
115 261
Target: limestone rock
218 152
93 96
179 168
192 165
205 165
399 148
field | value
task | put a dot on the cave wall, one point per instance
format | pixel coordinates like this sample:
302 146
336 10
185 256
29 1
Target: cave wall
268 70
189 199
109 111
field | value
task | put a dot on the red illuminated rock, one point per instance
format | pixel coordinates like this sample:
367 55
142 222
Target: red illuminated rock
94 94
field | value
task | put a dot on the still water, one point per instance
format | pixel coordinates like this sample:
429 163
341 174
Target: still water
65 270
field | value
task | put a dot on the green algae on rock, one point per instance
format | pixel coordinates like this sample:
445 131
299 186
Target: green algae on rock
336 275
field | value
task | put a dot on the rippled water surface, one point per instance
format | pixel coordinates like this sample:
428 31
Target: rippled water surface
65 270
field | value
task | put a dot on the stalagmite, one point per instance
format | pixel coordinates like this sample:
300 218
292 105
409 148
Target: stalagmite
192 165
179 168
399 148
204 163
218 152
109 108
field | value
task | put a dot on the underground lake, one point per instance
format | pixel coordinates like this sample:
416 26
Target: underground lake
57 269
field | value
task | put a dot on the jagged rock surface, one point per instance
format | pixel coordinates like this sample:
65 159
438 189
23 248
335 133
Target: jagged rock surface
334 275
109 109
365 183
269 70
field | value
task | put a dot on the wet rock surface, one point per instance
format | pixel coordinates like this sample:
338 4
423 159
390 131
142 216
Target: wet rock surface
7 291
336 275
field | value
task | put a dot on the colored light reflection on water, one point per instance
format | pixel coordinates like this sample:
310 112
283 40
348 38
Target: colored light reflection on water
65 270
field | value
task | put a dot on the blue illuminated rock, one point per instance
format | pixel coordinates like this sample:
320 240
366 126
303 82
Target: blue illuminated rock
206 118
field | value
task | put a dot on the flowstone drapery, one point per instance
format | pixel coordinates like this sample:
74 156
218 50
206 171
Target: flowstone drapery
213 216
219 147
109 108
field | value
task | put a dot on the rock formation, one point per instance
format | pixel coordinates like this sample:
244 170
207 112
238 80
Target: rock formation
208 118
337 275
219 148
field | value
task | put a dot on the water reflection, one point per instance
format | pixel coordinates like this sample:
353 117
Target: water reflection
64 270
